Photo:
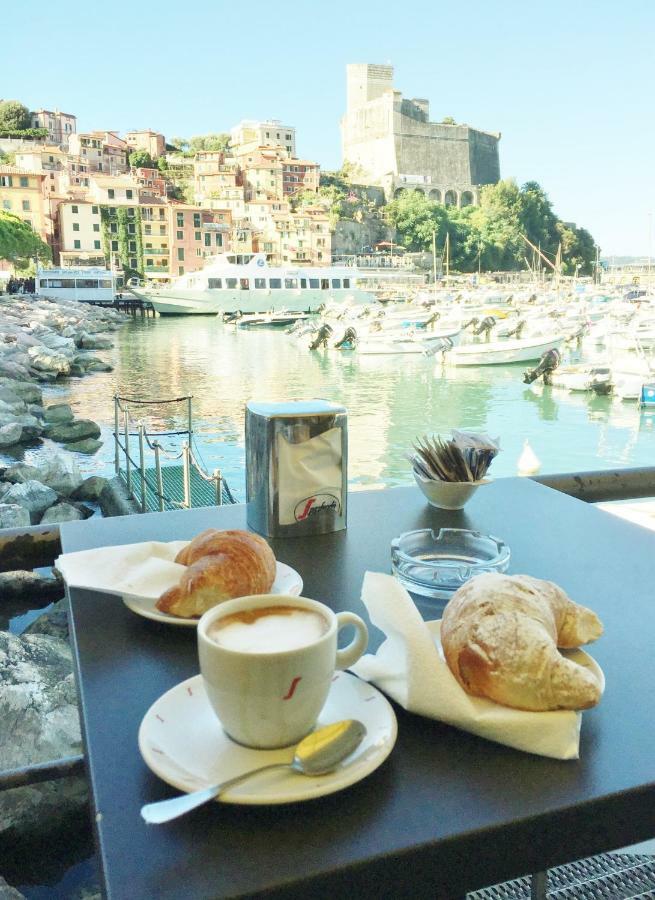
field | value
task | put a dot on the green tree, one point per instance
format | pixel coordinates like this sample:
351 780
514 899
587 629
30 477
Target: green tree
415 219
448 120
141 159
209 142
14 116
19 242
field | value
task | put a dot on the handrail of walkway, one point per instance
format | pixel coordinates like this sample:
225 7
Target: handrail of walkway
39 545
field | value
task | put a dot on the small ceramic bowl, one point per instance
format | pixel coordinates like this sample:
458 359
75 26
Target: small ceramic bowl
448 494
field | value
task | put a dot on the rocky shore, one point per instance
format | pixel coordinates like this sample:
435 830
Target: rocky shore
42 343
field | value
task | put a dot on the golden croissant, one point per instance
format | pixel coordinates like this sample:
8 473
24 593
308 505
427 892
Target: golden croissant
500 635
220 565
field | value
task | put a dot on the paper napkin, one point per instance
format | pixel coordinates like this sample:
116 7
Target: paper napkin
144 570
410 668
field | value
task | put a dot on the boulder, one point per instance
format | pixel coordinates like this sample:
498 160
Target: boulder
25 390
86 342
10 434
59 412
69 432
32 495
13 516
38 709
91 488
54 621
60 472
61 512
45 360
89 445
98 365
19 473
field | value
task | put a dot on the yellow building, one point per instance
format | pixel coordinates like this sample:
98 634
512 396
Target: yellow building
22 193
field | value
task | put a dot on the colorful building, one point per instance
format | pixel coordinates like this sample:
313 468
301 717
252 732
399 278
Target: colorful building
60 126
152 142
80 234
250 133
22 193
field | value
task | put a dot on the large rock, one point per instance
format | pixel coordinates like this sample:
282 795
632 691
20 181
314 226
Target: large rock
60 472
19 473
13 516
32 495
89 445
45 360
58 413
98 365
38 709
67 433
61 512
10 434
27 391
87 342
91 488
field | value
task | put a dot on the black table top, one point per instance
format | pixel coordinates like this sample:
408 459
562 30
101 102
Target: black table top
447 811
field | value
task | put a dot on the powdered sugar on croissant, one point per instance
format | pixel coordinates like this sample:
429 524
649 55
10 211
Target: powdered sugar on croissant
500 635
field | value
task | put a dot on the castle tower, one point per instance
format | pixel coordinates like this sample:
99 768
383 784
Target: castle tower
392 143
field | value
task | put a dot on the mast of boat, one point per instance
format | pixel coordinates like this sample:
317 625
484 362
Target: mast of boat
434 260
447 252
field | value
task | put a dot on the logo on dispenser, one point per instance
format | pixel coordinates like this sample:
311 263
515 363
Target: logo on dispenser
317 503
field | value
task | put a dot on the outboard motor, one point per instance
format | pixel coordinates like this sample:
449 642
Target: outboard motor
549 361
474 321
232 318
322 337
443 345
517 330
485 327
433 318
348 340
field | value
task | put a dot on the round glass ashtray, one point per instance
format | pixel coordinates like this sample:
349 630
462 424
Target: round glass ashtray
436 564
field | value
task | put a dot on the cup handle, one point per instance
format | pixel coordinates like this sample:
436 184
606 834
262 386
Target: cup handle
350 654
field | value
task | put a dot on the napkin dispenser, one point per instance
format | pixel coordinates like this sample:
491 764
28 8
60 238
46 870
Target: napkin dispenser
296 467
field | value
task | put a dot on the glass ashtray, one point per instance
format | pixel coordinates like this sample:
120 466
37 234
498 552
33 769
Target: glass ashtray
436 564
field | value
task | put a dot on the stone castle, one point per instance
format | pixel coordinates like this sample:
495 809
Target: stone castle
394 144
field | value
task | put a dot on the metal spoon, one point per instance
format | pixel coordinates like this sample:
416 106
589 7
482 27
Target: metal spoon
317 754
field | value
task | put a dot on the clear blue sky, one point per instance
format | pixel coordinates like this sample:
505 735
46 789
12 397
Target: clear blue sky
569 84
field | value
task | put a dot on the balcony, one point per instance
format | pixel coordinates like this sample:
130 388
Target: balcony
156 270
156 251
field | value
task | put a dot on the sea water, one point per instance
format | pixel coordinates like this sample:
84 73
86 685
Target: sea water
391 400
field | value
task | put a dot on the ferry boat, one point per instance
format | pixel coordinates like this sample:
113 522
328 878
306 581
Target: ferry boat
249 285
87 283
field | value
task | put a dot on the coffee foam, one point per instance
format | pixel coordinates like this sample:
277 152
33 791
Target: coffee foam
268 629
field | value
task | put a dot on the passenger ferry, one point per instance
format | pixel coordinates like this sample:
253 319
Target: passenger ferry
249 285
88 283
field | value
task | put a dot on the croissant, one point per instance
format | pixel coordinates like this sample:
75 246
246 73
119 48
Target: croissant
500 635
220 565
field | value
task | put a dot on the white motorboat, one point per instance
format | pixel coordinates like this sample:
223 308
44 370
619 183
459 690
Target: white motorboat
583 377
414 341
498 353
252 286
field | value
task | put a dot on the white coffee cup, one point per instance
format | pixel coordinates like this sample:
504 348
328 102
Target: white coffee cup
267 680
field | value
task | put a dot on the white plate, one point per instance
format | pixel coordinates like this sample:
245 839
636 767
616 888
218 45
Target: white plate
182 742
577 655
287 581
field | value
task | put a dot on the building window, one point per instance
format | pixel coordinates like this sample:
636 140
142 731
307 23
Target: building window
26 205
149 262
179 235
129 193
24 181
132 247
77 245
113 227
180 253
180 220
130 211
111 193
148 229
208 239
114 246
76 226
96 245
180 270
74 209
131 229
214 284
219 240
6 204
94 210
198 251
275 283
196 220
6 181
133 263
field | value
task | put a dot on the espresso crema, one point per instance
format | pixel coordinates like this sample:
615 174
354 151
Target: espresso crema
268 629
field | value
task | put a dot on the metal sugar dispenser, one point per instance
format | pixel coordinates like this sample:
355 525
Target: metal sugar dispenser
296 467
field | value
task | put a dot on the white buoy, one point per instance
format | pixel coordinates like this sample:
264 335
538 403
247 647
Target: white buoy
528 462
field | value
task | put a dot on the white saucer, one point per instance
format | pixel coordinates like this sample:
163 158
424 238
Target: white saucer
576 655
182 742
287 581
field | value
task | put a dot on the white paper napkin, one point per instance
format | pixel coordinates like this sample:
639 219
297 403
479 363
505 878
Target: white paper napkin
144 570
410 668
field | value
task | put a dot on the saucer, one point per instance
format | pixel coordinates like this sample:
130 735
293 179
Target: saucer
287 581
576 655
182 742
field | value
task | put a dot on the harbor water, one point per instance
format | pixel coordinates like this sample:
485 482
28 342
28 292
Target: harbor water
391 400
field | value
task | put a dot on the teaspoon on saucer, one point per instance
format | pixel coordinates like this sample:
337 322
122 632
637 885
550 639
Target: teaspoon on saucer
317 754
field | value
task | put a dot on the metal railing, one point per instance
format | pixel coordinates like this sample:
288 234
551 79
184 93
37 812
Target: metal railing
151 479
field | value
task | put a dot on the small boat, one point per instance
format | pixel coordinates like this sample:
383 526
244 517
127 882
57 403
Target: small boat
499 353
583 378
271 319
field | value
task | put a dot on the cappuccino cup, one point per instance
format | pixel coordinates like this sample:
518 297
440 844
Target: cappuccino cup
267 663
